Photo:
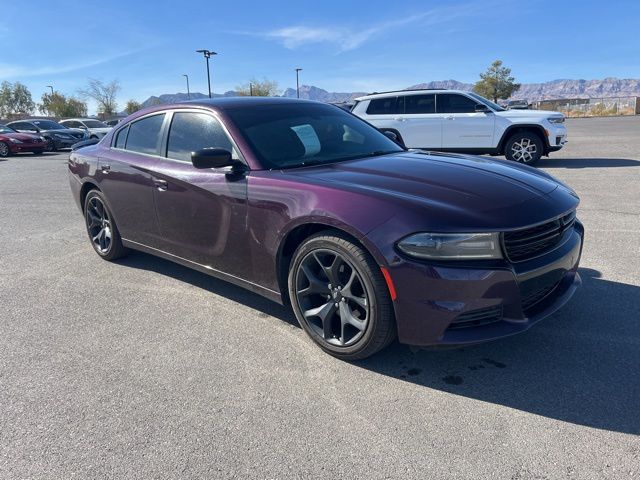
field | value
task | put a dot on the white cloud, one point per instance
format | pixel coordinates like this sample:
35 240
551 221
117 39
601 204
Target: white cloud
350 38
12 71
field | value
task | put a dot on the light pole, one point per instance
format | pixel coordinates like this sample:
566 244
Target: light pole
298 82
250 89
49 86
207 54
188 92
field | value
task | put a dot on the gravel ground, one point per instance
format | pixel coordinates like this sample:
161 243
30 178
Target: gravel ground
145 369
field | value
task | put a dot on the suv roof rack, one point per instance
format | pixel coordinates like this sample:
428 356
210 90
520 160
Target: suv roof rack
406 90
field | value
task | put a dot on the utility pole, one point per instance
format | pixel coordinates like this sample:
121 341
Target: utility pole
298 82
188 92
250 89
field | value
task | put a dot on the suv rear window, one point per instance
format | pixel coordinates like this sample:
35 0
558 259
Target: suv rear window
386 106
455 103
420 103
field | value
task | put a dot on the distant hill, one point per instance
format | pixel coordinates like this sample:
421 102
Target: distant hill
555 89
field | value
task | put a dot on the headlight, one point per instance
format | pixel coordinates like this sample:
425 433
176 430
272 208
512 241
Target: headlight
14 140
556 119
452 246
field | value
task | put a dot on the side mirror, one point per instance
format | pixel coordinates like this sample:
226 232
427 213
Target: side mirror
482 108
390 135
212 158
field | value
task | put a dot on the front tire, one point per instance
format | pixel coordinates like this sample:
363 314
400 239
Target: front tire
524 147
50 145
5 151
340 297
101 227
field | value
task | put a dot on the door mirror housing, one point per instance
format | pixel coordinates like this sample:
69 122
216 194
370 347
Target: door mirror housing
391 135
480 107
212 158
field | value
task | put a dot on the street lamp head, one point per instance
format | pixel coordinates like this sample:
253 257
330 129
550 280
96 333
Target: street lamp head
298 69
206 53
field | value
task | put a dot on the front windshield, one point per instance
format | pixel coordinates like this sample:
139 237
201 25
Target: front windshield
489 103
94 124
5 129
48 125
297 134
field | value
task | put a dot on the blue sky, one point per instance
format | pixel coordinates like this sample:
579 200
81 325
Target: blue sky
341 45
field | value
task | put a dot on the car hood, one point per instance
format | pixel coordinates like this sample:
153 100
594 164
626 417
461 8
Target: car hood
538 114
455 189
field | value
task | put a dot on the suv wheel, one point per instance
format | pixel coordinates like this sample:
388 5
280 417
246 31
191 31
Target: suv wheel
525 147
340 297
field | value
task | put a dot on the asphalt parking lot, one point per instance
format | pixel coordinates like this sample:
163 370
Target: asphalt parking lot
145 369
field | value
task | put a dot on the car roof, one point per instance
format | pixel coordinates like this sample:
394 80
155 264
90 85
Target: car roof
415 91
231 102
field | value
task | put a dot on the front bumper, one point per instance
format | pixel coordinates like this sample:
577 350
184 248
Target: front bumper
26 147
64 142
556 137
445 305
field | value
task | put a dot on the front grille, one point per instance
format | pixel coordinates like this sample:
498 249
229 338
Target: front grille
521 245
531 299
476 318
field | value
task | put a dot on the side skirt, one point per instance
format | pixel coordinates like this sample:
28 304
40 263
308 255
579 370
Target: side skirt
260 290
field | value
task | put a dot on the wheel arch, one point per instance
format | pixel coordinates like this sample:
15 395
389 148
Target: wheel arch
526 127
298 234
87 186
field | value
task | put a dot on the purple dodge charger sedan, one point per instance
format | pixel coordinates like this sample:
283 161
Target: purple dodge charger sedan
306 204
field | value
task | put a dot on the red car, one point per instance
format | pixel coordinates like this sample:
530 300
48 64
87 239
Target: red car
16 142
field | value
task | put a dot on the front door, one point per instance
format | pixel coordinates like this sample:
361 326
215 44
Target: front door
201 213
421 126
462 126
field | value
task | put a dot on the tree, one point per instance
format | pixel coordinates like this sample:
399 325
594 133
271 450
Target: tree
496 83
104 95
258 88
132 106
58 105
15 98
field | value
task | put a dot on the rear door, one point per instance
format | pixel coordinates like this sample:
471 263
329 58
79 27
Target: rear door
124 175
462 126
201 212
386 112
421 125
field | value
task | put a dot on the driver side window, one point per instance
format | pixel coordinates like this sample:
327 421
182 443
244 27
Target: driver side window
191 131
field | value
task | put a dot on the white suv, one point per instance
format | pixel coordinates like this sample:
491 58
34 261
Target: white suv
95 128
456 121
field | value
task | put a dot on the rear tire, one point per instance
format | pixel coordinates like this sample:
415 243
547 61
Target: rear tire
101 227
524 147
340 297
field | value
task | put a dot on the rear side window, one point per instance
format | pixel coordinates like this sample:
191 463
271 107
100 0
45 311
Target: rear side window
144 135
386 106
194 131
121 138
454 103
420 103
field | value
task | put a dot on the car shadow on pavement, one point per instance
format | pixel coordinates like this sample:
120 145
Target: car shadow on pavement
587 162
211 284
581 365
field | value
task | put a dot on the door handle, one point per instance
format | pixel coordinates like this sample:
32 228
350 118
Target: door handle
450 117
105 168
161 185
400 119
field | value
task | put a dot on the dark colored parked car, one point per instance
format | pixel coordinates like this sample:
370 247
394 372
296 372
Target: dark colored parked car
306 204
57 136
16 142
